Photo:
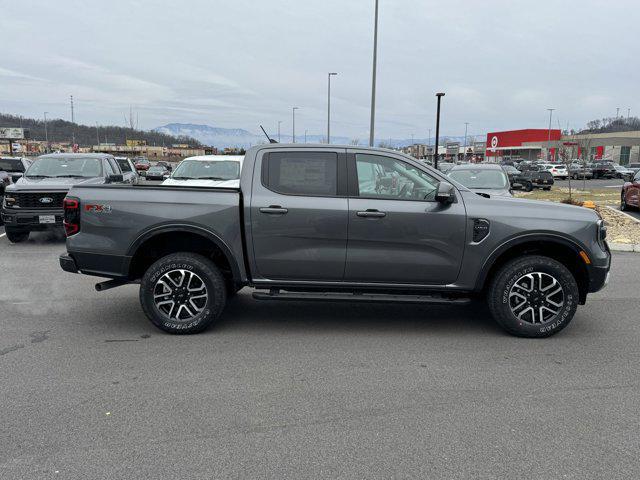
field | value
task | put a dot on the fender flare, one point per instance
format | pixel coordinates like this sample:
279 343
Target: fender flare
182 227
519 240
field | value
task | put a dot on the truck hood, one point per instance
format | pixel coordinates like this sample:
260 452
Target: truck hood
53 183
535 209
202 183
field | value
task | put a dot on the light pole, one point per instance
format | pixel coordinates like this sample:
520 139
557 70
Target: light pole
373 77
435 153
293 110
97 134
46 133
329 75
305 135
279 122
549 135
464 155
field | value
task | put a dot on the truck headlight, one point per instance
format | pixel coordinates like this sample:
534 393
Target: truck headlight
602 233
9 201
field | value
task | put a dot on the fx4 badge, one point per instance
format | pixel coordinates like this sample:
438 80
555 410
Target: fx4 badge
97 208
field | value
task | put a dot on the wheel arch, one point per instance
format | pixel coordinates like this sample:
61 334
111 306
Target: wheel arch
562 249
166 239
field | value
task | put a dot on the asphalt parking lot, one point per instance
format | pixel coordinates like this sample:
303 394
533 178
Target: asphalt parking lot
90 389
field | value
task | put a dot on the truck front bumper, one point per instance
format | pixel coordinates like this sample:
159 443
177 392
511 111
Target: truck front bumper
29 220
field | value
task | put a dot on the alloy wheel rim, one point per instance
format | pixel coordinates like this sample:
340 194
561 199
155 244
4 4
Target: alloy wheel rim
536 298
180 295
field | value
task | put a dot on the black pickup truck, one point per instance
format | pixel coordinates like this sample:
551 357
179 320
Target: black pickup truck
34 202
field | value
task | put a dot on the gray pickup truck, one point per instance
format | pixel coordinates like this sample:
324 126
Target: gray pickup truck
336 223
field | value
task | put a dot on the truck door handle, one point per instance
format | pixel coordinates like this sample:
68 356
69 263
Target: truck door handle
274 210
371 213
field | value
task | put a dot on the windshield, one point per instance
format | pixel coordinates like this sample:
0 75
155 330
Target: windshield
482 179
210 170
157 169
81 167
11 165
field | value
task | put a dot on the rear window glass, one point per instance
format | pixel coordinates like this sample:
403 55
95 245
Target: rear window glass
11 165
302 173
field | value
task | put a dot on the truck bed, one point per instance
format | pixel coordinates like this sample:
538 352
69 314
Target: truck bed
116 219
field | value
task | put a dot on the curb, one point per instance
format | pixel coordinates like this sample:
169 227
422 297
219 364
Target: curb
624 247
623 213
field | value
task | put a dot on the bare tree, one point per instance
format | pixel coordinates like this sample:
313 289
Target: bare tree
355 141
564 154
132 121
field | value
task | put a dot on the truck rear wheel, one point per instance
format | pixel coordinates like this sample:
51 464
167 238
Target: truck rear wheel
533 296
183 293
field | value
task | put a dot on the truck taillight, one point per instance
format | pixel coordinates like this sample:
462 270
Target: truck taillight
71 219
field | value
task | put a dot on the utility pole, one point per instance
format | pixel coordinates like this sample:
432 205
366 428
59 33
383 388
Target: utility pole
435 153
329 75
549 135
293 110
628 113
617 112
46 133
73 121
279 122
97 134
464 155
305 135
373 76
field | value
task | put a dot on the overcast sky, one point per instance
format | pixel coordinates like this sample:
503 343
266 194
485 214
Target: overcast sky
239 63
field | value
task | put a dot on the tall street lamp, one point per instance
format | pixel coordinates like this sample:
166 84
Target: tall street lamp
549 135
279 122
435 153
293 110
373 77
329 75
46 133
464 155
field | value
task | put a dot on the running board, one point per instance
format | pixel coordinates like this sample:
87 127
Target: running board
359 297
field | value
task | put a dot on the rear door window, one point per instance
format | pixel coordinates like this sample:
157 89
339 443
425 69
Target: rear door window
301 173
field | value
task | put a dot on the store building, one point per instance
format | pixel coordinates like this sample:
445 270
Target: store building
536 144
527 144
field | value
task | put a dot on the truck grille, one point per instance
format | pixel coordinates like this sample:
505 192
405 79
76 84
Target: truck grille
36 200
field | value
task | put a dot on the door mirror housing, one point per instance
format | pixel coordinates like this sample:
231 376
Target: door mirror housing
16 176
115 178
446 193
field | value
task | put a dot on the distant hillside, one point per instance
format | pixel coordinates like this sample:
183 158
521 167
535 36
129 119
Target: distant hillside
85 135
238 137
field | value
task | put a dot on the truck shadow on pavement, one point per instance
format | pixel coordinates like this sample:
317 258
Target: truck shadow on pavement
245 313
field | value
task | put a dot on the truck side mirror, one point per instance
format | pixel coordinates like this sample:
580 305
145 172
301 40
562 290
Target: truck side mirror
115 178
446 193
16 176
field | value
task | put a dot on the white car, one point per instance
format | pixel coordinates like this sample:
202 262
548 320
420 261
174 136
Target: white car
558 171
207 171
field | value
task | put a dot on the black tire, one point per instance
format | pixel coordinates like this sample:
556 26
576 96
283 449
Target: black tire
197 269
623 203
528 187
547 188
510 275
16 236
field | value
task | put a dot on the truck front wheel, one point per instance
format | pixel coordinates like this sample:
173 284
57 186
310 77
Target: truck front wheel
16 236
533 296
183 293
